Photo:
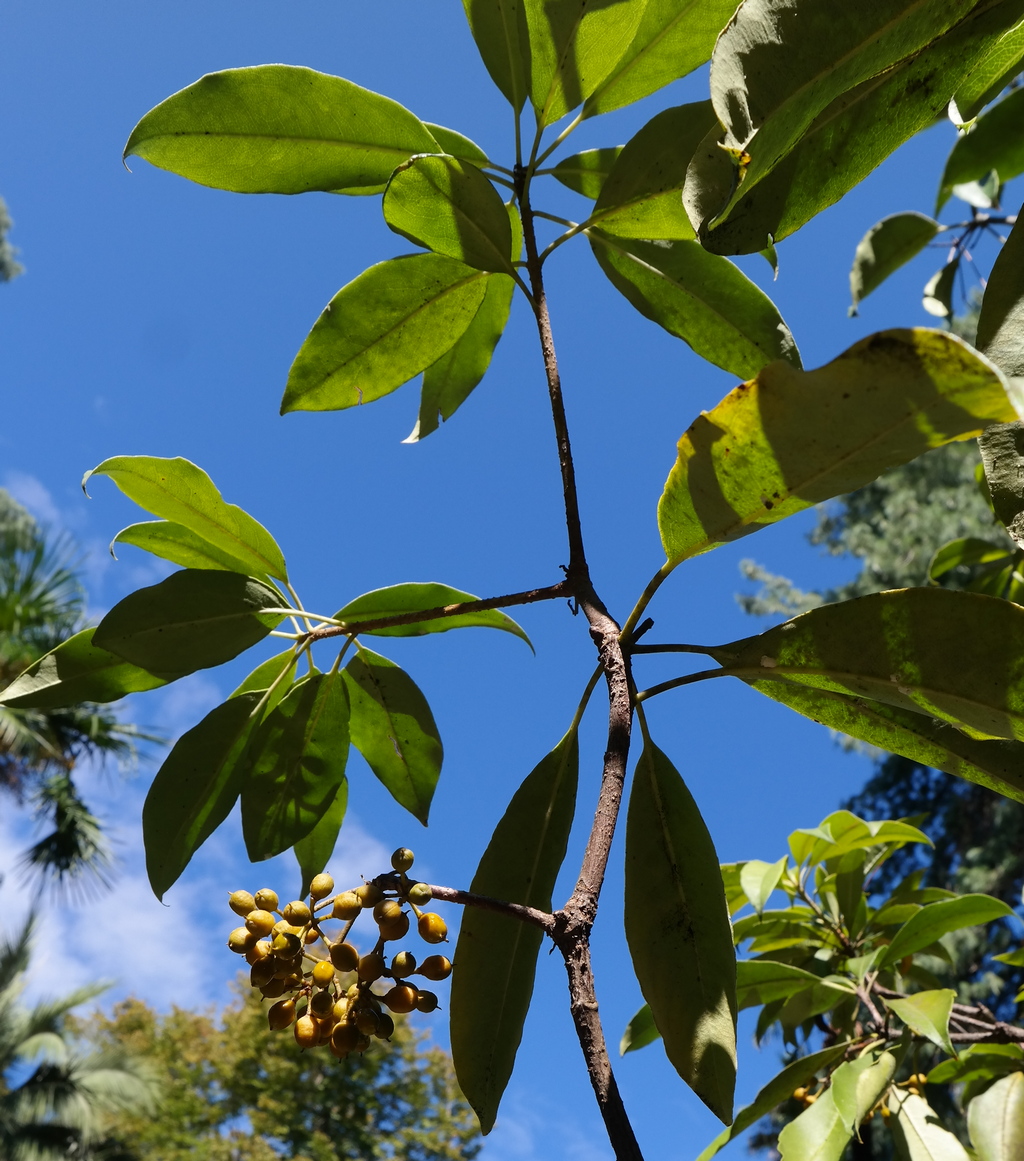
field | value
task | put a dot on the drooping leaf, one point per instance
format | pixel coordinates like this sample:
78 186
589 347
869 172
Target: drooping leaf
77 671
195 789
449 207
700 298
673 38
412 598
280 129
458 145
640 1032
178 491
789 438
885 248
178 544
677 927
1001 322
927 1014
586 172
296 763
394 730
382 329
499 29
822 1132
846 141
969 550
937 296
996 764
937 919
761 981
195 619
992 73
497 955
314 851
995 1120
918 1130
995 143
642 196
780 1088
574 45
759 879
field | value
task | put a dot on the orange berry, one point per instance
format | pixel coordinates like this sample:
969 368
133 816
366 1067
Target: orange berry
432 928
323 973
404 964
258 951
281 1015
385 1026
401 998
426 1001
436 967
367 1021
307 1032
399 929
345 957
371 967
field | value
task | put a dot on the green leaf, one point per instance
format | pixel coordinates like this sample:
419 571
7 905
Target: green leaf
77 671
640 1032
842 832
857 131
995 1120
1001 323
761 981
280 129
586 172
381 330
499 29
1011 958
937 919
735 896
759 879
397 600
949 655
937 296
394 730
1002 453
195 789
885 248
642 197
979 1062
995 142
268 672
574 46
178 544
780 1088
790 438
998 765
700 298
927 1014
449 207
677 927
969 550
458 145
296 765
497 955
314 851
673 38
178 491
195 619
918 1130
992 73
822 1132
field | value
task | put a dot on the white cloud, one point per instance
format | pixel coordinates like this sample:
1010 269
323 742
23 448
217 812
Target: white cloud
31 493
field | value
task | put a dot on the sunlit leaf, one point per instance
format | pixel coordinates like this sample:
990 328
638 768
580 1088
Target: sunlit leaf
412 598
180 545
457 145
979 1062
994 143
700 298
640 1032
280 129
969 550
885 248
938 919
178 491
677 926
927 1014
394 730
314 851
586 172
918 1130
992 73
268 673
760 981
843 832
937 296
759 879
789 439
995 1120
383 329
499 29
1001 322
497 955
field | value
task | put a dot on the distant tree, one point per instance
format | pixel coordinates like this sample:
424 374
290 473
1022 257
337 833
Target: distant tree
9 266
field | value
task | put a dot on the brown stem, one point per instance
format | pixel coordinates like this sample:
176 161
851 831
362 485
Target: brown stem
970 1024
541 919
353 628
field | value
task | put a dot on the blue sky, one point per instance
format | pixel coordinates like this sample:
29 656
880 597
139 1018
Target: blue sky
157 317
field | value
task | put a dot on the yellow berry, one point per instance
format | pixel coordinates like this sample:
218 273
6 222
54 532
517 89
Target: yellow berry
426 1001
311 936
296 912
432 928
420 894
397 930
258 951
369 894
266 899
345 957
387 911
307 1032
340 1009
402 859
321 886
371 967
367 1022
241 940
401 998
241 902
347 906
323 973
260 922
262 973
281 1015
436 967
321 1004
343 1038
385 1026
404 964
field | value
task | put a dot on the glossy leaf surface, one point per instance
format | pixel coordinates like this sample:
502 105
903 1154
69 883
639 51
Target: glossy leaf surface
992 73
586 172
499 29
995 1120
314 851
195 789
761 981
939 919
274 670
700 298
642 197
195 619
759 879
77 671
178 544
381 330
394 730
449 207
995 142
411 598
457 145
677 926
918 1130
789 438
297 763
927 1014
280 129
1001 322
885 248
640 1032
178 491
497 956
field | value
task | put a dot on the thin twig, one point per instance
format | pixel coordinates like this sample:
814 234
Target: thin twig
541 919
705 649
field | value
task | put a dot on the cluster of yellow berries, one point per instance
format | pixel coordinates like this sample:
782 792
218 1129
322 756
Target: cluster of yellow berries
321 984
